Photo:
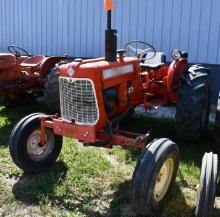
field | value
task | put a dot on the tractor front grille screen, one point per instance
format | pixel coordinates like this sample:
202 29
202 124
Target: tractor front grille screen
78 101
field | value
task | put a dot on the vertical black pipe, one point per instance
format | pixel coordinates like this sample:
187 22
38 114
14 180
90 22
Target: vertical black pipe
109 19
110 40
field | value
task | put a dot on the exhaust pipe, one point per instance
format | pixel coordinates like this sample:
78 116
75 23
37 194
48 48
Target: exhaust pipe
110 40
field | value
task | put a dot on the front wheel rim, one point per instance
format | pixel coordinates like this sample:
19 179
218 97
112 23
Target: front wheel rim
163 179
35 150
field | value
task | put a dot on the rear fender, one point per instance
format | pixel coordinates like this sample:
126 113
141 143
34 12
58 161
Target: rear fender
48 63
175 72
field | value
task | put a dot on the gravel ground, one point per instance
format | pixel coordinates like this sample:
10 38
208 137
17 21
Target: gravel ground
169 112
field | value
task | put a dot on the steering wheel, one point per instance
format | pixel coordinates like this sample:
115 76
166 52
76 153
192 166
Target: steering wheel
17 51
140 49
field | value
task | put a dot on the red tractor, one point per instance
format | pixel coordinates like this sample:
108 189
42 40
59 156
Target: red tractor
96 94
23 76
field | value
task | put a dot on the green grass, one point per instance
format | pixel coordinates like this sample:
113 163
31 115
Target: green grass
87 181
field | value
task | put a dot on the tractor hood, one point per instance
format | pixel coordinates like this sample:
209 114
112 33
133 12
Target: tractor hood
109 70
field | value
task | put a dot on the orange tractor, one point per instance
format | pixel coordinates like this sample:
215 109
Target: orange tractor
23 76
96 94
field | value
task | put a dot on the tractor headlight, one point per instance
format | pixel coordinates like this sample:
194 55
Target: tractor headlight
176 54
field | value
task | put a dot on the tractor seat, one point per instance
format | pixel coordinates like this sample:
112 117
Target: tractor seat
7 61
33 61
155 63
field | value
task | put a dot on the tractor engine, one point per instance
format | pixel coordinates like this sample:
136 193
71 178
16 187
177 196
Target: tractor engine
95 91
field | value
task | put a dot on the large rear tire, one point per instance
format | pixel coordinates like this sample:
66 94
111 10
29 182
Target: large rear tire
153 176
193 106
208 182
51 91
25 148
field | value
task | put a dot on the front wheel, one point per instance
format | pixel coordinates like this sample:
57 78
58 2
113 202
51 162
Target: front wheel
154 175
26 150
208 182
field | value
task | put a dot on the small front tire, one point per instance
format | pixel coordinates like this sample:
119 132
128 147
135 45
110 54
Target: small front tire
208 182
154 175
26 150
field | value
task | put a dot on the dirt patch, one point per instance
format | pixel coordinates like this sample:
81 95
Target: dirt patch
112 159
10 181
23 180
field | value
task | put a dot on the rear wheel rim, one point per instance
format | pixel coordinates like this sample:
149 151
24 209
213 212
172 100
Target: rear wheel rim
35 150
163 180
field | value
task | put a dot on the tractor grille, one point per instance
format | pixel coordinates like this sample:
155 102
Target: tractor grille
78 101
